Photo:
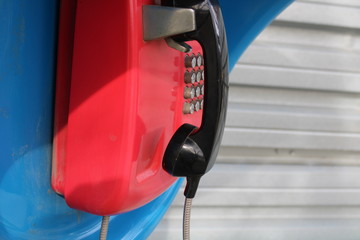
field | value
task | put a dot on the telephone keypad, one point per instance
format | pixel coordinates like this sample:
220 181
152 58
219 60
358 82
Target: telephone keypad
194 80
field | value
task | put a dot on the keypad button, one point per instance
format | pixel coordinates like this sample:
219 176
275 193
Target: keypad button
190 61
188 108
190 77
196 105
201 103
198 76
189 93
199 60
197 91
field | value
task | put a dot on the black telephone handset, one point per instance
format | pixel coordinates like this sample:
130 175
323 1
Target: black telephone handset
192 152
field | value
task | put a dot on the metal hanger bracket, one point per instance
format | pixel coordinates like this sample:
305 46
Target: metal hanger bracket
164 22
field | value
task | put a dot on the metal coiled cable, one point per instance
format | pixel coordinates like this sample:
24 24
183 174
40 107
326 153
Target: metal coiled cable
186 219
104 227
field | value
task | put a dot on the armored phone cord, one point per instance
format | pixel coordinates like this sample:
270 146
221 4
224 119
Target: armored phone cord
192 183
186 219
104 227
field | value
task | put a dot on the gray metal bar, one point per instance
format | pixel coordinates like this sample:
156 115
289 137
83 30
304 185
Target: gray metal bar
162 22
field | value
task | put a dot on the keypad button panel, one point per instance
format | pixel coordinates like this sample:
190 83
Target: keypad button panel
194 79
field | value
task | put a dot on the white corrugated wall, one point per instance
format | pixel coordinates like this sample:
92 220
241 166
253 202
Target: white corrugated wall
289 165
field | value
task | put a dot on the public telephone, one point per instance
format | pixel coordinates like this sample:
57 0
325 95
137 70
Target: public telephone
141 93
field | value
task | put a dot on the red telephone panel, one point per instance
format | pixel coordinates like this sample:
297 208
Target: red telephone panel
125 99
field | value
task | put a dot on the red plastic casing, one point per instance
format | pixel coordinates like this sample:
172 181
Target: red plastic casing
119 100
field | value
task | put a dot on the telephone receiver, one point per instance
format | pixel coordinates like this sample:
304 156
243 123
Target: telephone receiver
192 151
141 97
